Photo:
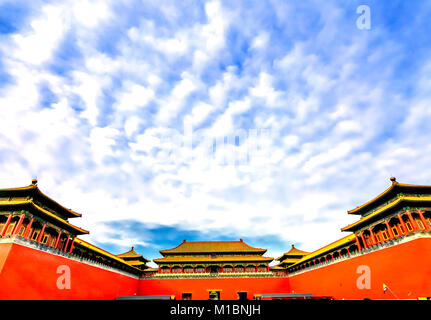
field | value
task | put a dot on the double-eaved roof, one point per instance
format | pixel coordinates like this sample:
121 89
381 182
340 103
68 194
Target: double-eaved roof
32 199
292 254
209 247
213 252
396 197
133 257
389 194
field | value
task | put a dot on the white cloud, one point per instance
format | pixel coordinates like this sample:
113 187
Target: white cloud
102 140
134 97
332 119
38 45
90 13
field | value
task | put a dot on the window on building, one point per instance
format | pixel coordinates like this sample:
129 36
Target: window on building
379 239
239 269
10 228
176 270
45 239
186 296
385 235
214 295
420 224
395 231
403 231
409 226
21 231
242 295
188 269
35 235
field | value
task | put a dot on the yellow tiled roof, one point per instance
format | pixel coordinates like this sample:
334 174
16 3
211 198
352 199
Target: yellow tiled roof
44 211
277 267
386 207
131 254
100 251
388 190
287 260
212 247
327 248
135 263
34 187
186 259
293 252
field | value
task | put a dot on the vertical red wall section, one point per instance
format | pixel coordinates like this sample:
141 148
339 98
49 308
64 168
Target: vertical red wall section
404 268
32 274
199 288
27 273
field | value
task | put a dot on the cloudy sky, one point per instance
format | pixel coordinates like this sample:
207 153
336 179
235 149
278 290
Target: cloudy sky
214 120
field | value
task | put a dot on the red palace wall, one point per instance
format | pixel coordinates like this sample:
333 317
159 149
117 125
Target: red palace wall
404 268
200 288
28 273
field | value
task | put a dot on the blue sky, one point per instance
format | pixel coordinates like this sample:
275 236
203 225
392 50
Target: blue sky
214 120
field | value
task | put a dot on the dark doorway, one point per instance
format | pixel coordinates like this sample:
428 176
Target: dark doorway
186 296
242 295
214 295
214 269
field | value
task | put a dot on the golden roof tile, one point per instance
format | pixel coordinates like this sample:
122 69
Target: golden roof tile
212 247
208 259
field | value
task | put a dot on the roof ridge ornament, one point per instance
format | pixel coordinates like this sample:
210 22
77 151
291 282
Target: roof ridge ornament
394 180
34 181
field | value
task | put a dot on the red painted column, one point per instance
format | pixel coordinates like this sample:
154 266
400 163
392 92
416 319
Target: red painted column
403 224
67 243
412 221
427 228
182 269
18 226
373 240
348 251
72 245
27 229
363 240
6 225
58 240
267 268
39 238
170 269
358 244
391 234
205 268
233 268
